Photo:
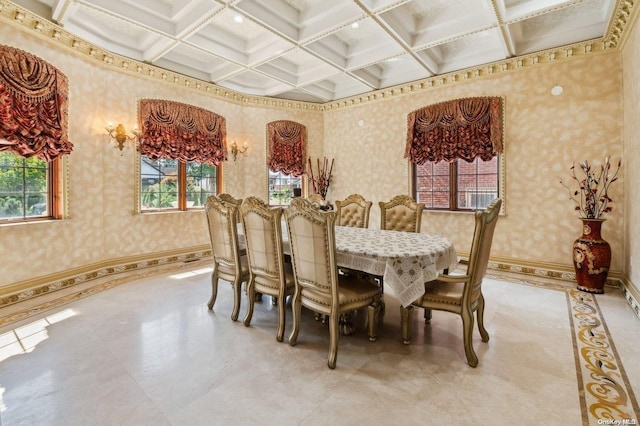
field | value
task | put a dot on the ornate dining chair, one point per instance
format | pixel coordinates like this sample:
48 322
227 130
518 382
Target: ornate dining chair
461 294
316 199
269 274
353 211
318 286
229 265
401 213
228 198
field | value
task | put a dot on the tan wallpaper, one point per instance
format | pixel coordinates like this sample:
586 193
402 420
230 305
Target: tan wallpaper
631 72
102 182
544 135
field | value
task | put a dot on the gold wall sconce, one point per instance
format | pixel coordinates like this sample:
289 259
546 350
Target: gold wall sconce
119 134
235 150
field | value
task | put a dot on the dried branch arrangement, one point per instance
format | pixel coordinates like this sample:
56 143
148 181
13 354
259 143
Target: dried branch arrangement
592 196
321 180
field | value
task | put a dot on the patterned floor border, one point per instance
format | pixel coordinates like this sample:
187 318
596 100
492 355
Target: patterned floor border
606 397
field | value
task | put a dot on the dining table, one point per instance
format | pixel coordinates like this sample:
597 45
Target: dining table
404 260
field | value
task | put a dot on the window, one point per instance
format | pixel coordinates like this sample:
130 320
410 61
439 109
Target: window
281 188
173 184
458 185
26 187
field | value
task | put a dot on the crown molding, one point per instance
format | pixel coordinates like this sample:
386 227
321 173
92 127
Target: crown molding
49 31
625 14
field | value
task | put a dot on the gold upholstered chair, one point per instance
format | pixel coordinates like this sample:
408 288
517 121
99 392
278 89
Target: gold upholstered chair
318 286
228 198
353 211
461 294
316 199
229 265
269 274
401 213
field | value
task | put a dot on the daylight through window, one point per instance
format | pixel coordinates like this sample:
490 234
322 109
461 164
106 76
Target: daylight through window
282 188
459 185
25 187
175 185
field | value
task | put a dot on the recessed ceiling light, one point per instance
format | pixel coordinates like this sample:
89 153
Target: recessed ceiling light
238 19
355 25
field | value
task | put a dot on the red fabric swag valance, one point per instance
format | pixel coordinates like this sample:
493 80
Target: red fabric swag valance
33 106
287 147
458 129
181 132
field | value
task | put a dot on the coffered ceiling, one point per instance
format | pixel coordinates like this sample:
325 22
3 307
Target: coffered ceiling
324 50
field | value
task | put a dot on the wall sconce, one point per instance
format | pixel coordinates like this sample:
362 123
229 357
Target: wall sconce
235 150
119 133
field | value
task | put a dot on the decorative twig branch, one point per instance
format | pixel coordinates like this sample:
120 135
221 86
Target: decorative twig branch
322 179
592 197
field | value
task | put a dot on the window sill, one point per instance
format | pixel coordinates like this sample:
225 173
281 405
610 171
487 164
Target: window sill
161 212
31 222
462 212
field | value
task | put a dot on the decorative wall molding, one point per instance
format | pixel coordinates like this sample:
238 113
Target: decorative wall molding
565 277
13 14
554 276
29 289
562 273
631 294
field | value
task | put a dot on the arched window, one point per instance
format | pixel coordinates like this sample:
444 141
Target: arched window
286 160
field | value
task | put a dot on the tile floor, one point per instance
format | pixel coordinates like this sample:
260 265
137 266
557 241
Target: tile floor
149 352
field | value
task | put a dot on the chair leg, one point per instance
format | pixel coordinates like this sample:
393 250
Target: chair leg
296 307
251 290
467 325
405 317
480 314
282 315
347 327
214 288
427 316
373 314
237 296
334 334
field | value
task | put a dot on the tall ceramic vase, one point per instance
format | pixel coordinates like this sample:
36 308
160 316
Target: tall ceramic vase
591 257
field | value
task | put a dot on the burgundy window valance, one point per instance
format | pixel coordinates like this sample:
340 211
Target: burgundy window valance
33 106
287 147
458 129
181 132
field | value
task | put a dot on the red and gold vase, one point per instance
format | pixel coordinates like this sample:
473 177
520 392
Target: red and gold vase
591 257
